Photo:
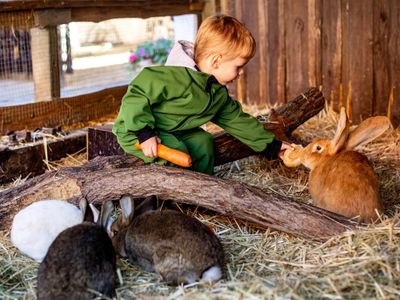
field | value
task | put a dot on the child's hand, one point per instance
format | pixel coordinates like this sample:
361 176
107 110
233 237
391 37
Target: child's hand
285 146
149 147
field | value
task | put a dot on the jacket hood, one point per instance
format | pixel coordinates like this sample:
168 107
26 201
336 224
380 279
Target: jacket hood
181 55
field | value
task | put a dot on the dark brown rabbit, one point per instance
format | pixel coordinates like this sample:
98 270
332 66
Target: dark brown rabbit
80 263
342 180
178 247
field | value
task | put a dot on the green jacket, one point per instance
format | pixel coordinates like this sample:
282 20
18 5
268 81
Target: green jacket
174 99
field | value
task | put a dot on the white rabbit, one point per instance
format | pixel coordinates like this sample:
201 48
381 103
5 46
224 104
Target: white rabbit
36 226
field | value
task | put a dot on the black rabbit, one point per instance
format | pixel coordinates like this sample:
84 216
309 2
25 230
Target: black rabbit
81 262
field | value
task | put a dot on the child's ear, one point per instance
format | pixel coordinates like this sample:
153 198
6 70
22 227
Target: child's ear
216 60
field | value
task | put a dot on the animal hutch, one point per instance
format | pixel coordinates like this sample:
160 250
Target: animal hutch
313 57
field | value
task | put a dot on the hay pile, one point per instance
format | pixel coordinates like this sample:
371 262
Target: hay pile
262 264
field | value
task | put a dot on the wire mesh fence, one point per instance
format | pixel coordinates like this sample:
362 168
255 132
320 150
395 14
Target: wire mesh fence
91 56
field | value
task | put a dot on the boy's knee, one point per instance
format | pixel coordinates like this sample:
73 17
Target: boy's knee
205 142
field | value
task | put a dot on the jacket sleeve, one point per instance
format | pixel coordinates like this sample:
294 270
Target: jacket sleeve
244 127
135 113
135 120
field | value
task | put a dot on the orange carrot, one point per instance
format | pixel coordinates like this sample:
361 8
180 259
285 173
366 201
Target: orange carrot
177 157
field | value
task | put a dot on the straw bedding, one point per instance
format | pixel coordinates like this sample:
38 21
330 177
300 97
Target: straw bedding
265 264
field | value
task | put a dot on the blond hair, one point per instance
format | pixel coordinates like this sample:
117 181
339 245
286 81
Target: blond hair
223 35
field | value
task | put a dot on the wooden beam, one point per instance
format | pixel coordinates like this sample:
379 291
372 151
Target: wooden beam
41 13
15 5
52 17
98 14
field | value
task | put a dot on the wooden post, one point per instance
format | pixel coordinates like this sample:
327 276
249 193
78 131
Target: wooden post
45 66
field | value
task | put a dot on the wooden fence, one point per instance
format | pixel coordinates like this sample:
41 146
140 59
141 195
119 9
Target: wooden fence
349 48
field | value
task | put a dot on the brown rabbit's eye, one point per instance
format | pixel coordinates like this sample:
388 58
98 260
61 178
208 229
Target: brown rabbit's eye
317 148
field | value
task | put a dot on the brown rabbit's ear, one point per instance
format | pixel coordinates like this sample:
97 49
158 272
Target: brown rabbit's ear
367 131
105 219
342 132
148 204
127 206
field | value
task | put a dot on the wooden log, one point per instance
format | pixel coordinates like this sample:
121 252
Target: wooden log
282 122
107 178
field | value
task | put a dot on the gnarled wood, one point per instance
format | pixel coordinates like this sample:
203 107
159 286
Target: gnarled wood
108 178
281 122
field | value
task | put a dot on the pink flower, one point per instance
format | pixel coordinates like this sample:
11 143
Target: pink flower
142 53
132 58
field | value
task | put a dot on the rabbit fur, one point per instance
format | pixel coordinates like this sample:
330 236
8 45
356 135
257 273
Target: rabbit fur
178 247
342 180
81 262
36 226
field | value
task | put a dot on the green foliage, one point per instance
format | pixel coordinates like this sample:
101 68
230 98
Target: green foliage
157 51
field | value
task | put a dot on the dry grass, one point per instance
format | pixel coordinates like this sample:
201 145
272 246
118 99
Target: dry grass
263 264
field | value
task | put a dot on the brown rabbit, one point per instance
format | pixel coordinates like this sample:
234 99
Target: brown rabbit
80 262
178 247
342 180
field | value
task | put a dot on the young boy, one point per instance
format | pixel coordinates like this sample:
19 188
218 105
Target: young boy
167 104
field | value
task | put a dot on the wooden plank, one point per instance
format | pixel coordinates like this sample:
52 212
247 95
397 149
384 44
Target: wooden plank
275 52
386 59
282 96
249 17
296 17
61 112
29 160
314 43
262 50
241 84
357 58
228 7
381 57
394 51
332 52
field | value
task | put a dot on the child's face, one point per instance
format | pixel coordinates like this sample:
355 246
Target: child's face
229 70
